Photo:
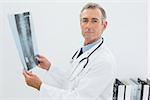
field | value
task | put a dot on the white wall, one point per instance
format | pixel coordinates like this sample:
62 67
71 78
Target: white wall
149 39
58 35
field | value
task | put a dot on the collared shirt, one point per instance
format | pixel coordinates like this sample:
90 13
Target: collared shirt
87 47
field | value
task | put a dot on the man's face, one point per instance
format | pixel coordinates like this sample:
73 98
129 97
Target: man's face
92 24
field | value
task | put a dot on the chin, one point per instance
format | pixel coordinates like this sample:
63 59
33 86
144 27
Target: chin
88 36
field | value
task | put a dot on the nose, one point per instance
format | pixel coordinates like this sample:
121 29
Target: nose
89 24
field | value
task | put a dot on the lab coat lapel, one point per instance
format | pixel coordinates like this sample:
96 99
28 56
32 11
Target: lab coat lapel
78 68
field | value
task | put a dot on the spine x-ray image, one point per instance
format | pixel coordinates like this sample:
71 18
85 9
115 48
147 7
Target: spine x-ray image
25 38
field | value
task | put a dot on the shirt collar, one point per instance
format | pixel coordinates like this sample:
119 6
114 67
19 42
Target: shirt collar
87 47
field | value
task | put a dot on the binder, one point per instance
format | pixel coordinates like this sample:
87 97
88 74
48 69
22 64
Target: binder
118 90
144 89
131 89
148 82
136 88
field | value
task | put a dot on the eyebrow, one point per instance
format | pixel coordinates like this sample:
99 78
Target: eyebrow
92 18
95 19
84 18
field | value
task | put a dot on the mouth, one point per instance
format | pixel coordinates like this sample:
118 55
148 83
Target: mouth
88 32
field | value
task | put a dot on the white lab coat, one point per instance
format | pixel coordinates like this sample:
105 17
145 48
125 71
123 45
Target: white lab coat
95 82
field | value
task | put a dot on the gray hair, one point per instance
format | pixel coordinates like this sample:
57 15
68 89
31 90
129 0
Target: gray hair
93 6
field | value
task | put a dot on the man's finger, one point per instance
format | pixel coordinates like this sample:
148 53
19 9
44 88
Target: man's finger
29 73
39 59
25 75
40 56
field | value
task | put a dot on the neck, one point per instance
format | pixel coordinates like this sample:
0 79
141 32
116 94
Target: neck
89 41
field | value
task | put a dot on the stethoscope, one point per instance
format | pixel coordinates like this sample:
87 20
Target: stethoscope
85 58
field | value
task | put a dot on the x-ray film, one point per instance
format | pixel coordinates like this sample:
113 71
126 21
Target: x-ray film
22 29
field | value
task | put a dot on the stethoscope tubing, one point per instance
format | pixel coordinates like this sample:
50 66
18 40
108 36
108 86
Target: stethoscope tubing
86 58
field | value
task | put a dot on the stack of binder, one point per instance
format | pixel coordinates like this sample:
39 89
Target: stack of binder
131 89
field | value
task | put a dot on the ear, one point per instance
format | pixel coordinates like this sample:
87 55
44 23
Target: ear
105 24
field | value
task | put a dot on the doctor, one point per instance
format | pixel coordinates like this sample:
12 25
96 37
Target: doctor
92 70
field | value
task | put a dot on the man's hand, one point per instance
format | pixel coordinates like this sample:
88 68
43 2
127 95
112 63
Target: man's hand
32 80
43 62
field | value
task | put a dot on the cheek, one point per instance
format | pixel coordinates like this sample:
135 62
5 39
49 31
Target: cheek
82 27
99 29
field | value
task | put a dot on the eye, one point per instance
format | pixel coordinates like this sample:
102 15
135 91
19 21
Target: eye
95 21
84 20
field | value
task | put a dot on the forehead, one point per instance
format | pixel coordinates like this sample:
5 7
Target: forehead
91 13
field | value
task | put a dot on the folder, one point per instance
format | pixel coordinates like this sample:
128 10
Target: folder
144 89
129 90
118 90
148 82
136 88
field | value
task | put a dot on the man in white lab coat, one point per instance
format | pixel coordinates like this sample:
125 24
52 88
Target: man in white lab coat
92 70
